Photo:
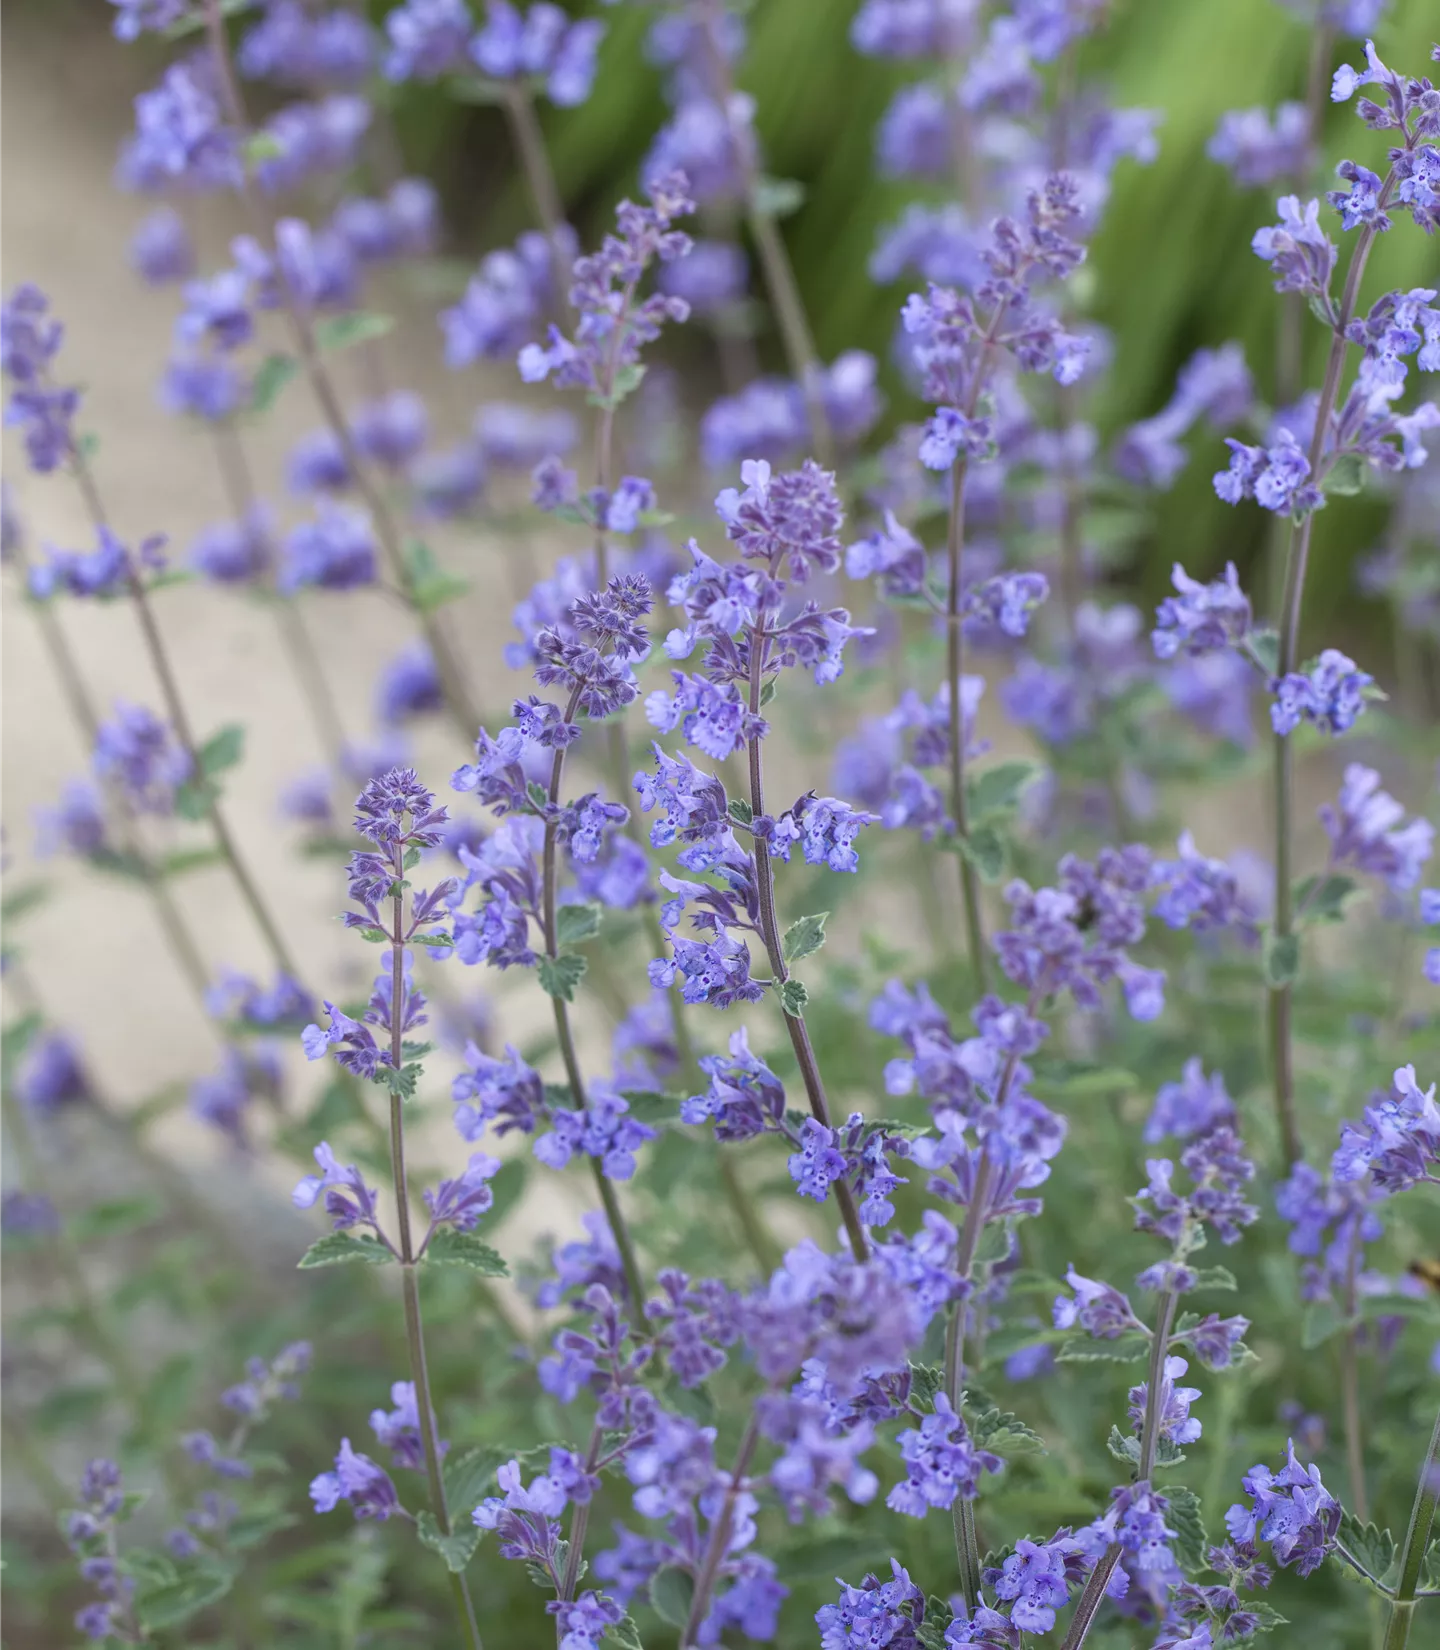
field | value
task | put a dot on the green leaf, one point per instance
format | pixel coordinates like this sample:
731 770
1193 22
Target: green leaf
1214 1277
1282 959
1346 476
998 789
271 377
115 1218
338 1249
376 936
400 1083
652 1107
768 689
624 1635
1269 1618
671 1592
805 937
195 1591
539 796
1372 1546
1322 1320
22 898
995 1243
1324 899
451 1248
998 1430
1265 645
336 332
508 1187
457 1548
222 750
195 798
1123 1448
741 810
1184 1517
1124 1349
984 847
925 1381
560 975
434 942
576 923
793 998
627 381
468 1475
778 197
263 146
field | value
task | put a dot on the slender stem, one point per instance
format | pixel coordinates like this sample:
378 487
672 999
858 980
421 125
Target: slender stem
240 492
774 945
579 1523
454 686
1090 1599
719 1537
410 1280
1350 1396
775 262
1296 561
540 178
954 665
619 1229
1412 1552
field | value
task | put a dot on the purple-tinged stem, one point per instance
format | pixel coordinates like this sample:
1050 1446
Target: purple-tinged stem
954 667
540 179
180 721
719 1541
1414 1547
1350 1395
775 947
299 649
1297 559
1094 1592
579 1523
410 1280
614 1215
784 290
454 686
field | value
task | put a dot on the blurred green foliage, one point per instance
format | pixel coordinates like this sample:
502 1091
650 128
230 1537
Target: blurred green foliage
1172 266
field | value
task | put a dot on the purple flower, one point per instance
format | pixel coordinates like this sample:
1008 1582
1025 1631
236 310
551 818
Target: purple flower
428 39
1007 601
1201 617
543 43
604 1130
1219 1170
180 131
334 551
222 1100
1292 1511
941 1462
1199 893
75 824
1366 832
1098 1308
409 686
348 1200
1214 384
235 552
1177 1426
135 17
581 1623
399 1429
1035 1580
1194 1105
710 277
744 1097
875 1613
161 249
461 1202
359 1481
297 48
1398 1142
138 752
1298 251
1258 151
392 430
824 827
1331 695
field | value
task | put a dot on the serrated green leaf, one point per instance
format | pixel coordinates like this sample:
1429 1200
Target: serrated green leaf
376 936
1268 1618
1265 645
1125 1349
560 975
434 942
1322 1320
925 1381
985 849
741 810
1346 476
576 923
400 1083
999 1430
624 1635
336 332
671 1592
804 937
1372 1546
469 1475
627 380
1123 1448
338 1249
539 796
451 1248
195 1591
995 1243
1325 899
793 998
1281 959
768 689
1214 1277
195 798
652 1107
271 377
998 790
1184 1516
457 1548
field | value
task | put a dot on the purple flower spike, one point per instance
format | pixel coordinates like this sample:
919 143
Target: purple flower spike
1292 1511
358 1480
